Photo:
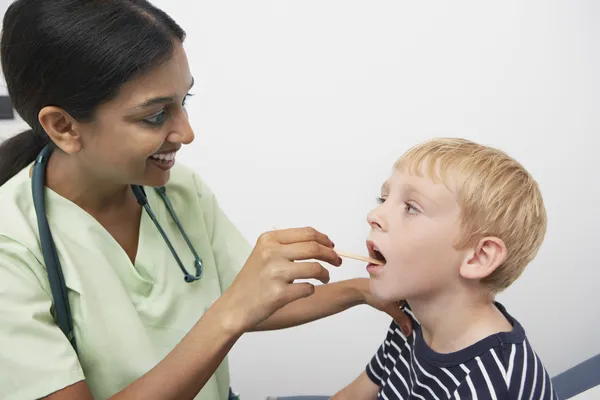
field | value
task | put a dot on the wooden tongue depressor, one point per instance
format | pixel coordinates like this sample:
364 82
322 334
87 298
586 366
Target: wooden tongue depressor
353 256
360 258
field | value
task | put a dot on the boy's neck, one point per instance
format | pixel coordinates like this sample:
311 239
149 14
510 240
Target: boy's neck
452 322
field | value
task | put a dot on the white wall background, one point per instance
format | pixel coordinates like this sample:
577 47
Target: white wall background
301 108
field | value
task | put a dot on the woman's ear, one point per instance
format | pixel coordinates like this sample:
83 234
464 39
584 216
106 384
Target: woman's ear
62 128
487 255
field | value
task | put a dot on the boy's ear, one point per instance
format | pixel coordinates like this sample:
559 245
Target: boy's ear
62 128
487 255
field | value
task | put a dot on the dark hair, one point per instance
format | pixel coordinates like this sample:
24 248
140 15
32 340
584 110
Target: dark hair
74 54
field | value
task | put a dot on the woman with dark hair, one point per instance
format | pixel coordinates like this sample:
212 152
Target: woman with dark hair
103 84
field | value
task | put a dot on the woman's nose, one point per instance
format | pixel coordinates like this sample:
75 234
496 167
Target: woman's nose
183 132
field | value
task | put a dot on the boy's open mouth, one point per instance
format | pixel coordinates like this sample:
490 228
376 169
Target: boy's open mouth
374 252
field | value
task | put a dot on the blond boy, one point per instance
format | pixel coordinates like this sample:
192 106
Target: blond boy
458 223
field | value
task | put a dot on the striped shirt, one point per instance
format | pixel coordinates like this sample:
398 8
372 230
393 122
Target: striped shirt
500 367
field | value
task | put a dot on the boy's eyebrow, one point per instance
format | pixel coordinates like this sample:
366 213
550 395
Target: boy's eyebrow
409 188
159 100
385 188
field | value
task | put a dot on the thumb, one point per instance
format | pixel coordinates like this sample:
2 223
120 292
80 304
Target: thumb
401 319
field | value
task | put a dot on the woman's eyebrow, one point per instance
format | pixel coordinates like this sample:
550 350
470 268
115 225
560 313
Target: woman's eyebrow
159 100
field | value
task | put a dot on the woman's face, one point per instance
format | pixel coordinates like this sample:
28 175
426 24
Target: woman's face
133 138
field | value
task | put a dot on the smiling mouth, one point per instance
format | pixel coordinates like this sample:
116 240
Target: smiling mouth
164 158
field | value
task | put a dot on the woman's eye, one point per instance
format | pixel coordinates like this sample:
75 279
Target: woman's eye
156 119
380 200
187 96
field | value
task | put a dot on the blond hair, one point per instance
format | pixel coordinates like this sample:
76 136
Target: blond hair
497 197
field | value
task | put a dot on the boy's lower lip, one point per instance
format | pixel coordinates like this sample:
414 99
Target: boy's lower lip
374 269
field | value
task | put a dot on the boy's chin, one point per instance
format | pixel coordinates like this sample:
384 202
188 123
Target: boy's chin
386 293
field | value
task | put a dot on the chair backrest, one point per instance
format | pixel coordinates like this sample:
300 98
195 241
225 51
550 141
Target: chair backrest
578 379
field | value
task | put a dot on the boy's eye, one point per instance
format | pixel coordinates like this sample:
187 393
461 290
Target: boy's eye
380 200
410 209
156 119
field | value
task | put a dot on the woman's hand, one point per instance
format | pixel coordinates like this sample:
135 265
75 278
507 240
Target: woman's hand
391 308
266 282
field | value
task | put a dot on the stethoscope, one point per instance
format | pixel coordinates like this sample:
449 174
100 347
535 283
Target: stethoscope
53 267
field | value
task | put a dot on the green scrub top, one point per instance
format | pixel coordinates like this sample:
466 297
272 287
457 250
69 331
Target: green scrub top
127 317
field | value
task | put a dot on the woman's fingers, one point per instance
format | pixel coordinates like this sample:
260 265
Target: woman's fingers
400 317
306 270
310 251
298 235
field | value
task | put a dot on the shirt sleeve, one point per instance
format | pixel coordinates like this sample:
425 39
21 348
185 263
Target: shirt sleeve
36 359
375 369
230 248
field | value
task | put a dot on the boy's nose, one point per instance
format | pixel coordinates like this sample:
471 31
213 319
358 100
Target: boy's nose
376 220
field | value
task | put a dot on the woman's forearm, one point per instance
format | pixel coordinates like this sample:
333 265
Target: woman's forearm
327 300
185 371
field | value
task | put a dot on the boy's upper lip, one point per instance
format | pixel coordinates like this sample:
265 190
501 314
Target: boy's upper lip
373 250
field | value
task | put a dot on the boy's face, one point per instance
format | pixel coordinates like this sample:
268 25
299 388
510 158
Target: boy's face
414 230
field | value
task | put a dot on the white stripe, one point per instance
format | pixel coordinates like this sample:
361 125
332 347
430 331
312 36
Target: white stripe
396 390
374 373
469 381
473 392
534 374
399 333
410 377
456 382
402 379
398 373
456 395
464 368
383 395
419 383
397 348
524 369
406 310
408 369
511 362
388 372
378 361
386 344
500 367
543 385
487 378
551 390
432 377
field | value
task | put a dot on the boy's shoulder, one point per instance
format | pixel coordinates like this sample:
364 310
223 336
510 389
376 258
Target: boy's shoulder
500 366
